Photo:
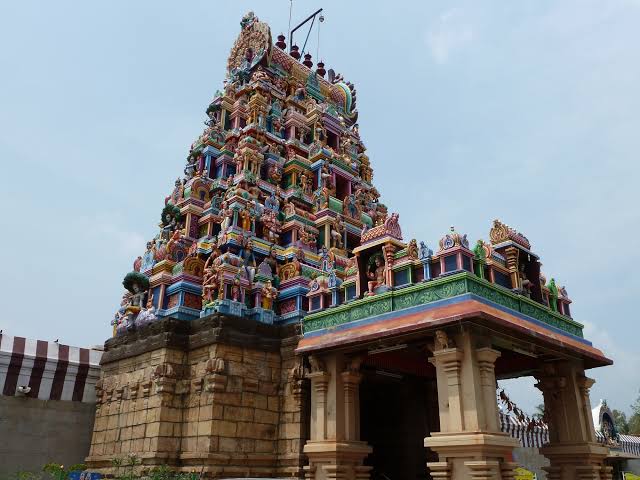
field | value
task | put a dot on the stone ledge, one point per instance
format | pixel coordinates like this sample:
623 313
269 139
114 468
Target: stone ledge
188 335
467 444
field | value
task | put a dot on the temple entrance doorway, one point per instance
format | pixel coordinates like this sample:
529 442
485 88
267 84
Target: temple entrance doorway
397 411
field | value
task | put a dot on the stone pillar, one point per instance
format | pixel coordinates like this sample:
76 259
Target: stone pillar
334 449
512 254
351 386
469 444
572 450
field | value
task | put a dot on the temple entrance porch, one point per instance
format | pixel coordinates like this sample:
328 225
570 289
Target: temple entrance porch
372 402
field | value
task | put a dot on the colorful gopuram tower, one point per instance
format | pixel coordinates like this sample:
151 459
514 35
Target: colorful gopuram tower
278 325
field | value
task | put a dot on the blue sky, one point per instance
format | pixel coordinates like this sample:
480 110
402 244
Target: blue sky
524 111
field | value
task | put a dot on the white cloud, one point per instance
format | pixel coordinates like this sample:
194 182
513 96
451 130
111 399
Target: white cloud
450 32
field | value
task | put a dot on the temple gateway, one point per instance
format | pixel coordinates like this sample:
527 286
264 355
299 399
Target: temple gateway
280 326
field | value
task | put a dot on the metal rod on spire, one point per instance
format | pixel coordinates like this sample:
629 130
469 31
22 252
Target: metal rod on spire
313 15
308 33
290 12
321 19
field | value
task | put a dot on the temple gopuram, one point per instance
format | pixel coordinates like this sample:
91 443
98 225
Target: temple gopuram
280 326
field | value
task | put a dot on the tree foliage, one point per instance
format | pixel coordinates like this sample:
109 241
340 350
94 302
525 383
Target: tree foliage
634 419
539 412
620 421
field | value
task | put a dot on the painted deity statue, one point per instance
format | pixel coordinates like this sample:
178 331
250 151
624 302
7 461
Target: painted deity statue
245 218
169 221
137 284
525 283
210 286
147 258
269 293
148 315
227 214
235 289
425 252
376 274
272 261
337 227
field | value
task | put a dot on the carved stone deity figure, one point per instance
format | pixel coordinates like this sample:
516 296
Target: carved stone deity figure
147 315
351 206
272 261
479 251
275 173
245 217
289 209
336 229
425 252
235 289
525 283
227 214
210 285
169 221
305 184
137 284
412 249
376 274
137 264
269 294
442 341
320 134
147 258
325 176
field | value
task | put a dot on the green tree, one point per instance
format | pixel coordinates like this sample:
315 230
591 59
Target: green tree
620 421
539 412
634 419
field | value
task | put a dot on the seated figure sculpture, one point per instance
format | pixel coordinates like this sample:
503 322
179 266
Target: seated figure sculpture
376 274
137 284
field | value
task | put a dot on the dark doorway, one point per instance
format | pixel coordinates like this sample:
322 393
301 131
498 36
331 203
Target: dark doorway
396 413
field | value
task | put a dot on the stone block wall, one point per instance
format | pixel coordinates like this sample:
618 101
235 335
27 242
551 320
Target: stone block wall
220 395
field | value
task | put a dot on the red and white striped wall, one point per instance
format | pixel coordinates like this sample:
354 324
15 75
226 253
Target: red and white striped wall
51 370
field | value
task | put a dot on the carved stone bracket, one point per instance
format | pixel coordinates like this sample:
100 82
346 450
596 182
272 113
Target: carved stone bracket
507 469
297 383
483 469
439 470
146 388
133 390
164 378
215 378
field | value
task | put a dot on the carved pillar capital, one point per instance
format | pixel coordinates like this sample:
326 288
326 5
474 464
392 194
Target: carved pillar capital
486 363
585 383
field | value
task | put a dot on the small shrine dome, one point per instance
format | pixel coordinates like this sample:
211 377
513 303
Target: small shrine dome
453 239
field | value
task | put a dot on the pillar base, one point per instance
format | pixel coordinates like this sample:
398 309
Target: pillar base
576 461
471 455
336 460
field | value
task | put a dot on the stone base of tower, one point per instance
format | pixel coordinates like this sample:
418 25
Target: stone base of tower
220 395
580 461
471 455
333 460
